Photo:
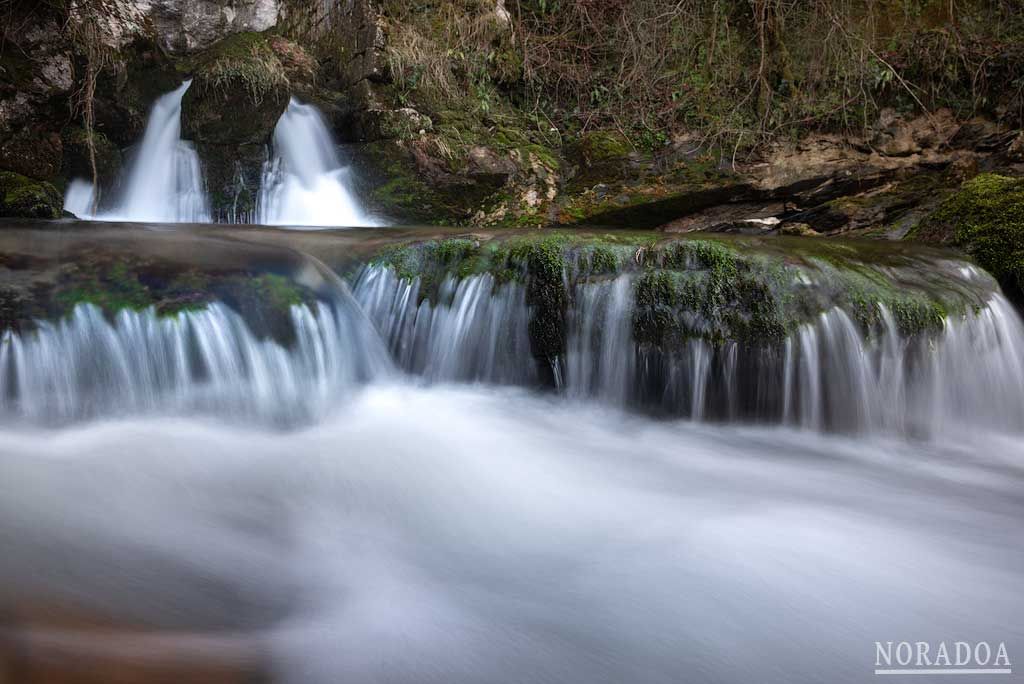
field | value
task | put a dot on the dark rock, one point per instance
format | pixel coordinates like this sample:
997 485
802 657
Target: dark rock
241 88
76 162
22 197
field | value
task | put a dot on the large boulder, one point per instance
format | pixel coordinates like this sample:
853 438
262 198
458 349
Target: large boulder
36 82
240 88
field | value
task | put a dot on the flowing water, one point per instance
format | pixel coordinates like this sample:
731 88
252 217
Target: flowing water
304 182
481 535
390 496
162 182
828 375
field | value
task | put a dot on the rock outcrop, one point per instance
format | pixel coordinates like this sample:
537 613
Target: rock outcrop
188 26
241 86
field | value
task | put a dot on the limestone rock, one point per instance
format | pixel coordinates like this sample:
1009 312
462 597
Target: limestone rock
188 26
35 87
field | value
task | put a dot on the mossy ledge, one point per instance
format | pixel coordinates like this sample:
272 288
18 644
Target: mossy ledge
22 197
753 291
117 283
985 218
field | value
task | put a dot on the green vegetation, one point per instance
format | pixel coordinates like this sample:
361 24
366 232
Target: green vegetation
119 283
244 60
22 197
739 71
110 286
986 217
751 291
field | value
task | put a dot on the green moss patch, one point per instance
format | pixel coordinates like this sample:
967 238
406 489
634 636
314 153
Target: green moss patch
986 218
22 197
753 291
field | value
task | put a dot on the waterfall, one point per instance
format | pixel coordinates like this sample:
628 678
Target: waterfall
80 198
164 181
305 183
197 362
599 355
476 332
827 375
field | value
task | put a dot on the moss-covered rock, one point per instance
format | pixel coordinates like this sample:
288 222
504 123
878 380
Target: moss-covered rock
22 197
751 291
599 156
241 86
240 89
986 218
125 95
117 282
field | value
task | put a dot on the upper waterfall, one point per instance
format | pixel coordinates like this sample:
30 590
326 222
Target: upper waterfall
164 181
305 183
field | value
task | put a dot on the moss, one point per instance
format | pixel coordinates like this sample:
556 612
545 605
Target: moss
752 291
986 217
597 147
544 260
389 177
22 197
245 60
112 287
242 74
432 261
706 289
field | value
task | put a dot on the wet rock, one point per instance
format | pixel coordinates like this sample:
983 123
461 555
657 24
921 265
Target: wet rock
241 88
798 229
76 162
22 197
1015 150
35 88
986 218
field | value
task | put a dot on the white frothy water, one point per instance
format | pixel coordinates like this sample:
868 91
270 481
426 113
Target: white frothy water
197 362
80 199
473 535
477 331
305 183
826 376
164 181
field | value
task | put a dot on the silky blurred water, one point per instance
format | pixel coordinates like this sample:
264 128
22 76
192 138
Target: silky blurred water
444 534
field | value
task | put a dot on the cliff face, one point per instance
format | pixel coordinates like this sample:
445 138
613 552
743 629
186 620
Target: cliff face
476 111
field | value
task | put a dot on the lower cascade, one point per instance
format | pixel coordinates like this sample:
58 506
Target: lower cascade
826 376
304 182
204 361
